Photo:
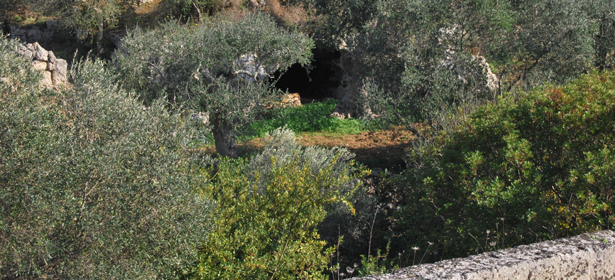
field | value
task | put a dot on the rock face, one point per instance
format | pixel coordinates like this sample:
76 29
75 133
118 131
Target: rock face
248 69
288 100
291 100
585 256
34 32
476 68
54 69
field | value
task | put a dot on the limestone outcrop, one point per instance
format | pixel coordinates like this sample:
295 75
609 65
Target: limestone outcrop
288 100
585 256
54 69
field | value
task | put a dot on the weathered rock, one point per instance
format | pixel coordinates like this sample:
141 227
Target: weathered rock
254 4
46 81
291 100
52 57
39 65
50 66
25 51
586 256
248 71
340 116
59 74
33 32
54 69
288 100
40 53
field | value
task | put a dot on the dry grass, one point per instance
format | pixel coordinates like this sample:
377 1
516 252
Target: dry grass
147 8
376 149
291 16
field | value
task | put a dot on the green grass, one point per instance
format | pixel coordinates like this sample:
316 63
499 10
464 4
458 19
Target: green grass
313 117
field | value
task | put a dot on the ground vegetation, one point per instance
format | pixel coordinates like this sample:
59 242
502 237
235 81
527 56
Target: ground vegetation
485 124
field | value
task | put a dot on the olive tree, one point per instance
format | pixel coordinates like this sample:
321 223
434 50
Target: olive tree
416 59
85 17
406 59
602 16
221 68
92 184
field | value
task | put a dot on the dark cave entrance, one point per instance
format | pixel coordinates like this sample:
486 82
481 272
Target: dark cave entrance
316 83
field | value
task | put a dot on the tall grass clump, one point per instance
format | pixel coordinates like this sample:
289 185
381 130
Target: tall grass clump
93 184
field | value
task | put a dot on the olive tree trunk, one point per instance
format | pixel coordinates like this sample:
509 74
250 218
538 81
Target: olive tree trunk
99 37
353 102
224 137
603 41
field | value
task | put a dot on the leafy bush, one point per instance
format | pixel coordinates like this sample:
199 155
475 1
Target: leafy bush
269 209
92 184
313 117
516 172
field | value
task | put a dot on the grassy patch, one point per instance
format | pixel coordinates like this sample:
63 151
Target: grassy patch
312 117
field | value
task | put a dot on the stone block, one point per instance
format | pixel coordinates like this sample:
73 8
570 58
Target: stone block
52 57
46 81
39 65
585 256
40 53
57 78
61 67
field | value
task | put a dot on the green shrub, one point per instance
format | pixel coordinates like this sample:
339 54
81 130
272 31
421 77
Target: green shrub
269 209
516 172
92 184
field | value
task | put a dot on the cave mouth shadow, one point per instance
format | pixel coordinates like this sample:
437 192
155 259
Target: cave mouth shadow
315 82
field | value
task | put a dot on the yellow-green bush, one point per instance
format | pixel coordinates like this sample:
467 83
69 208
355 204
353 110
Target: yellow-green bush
267 213
515 172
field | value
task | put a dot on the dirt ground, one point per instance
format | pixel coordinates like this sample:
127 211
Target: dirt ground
376 149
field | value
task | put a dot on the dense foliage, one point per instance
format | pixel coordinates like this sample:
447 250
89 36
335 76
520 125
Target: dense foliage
92 184
517 171
423 60
269 208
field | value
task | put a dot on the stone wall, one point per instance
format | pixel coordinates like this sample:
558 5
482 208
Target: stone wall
586 256
54 69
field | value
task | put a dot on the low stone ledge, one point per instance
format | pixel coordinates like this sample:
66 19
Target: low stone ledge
585 256
54 69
